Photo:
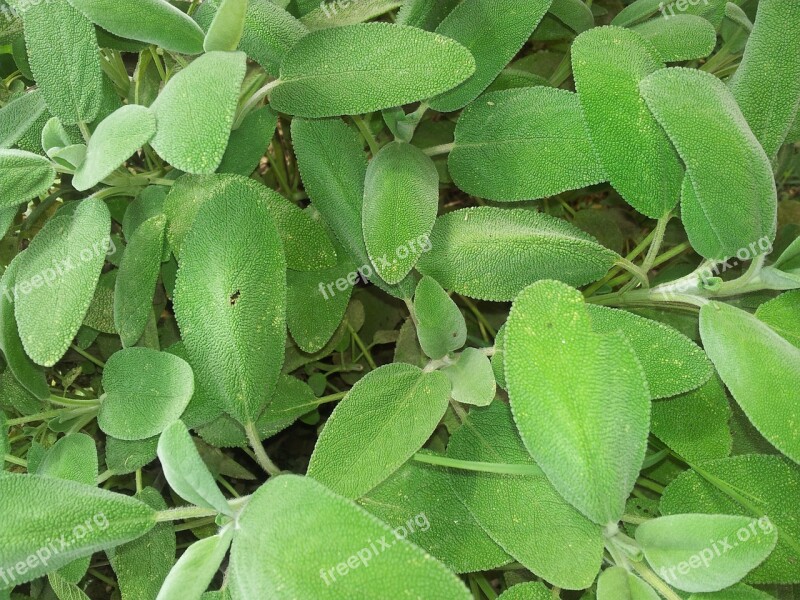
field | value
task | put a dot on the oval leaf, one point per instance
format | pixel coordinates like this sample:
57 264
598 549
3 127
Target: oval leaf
25 176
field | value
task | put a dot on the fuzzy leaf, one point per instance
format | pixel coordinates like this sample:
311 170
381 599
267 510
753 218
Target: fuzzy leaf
679 38
19 115
425 14
527 591
367 67
377 407
249 142
472 378
493 253
227 27
616 583
195 569
72 458
737 592
782 314
25 176
440 325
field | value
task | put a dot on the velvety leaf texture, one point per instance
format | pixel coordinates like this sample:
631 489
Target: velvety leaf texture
679 38
25 176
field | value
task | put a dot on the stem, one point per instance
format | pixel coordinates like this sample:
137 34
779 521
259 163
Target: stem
15 461
84 130
261 454
613 272
42 416
366 134
654 580
458 409
634 270
253 101
184 512
88 356
633 519
650 485
105 476
481 467
440 149
362 347
655 245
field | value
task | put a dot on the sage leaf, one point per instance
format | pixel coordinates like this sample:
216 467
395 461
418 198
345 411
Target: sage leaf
19 115
472 378
679 38
782 315
249 142
25 176
440 325
616 583
227 26
195 569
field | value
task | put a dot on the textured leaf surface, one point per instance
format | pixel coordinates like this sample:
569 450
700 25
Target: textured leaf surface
617 583
19 115
25 176
123 456
64 59
669 541
679 38
425 14
401 199
73 457
751 485
145 392
782 314
493 253
378 407
527 591
294 526
154 21
367 67
192 136
729 203
493 31
736 592
249 142
440 325
472 378
230 302
523 144
116 138
760 368
227 26
557 543
195 569
588 432
634 151
59 272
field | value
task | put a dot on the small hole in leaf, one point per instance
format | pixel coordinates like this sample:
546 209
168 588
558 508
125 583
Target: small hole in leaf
235 297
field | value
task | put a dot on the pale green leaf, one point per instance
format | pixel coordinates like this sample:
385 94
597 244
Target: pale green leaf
679 38
327 14
425 14
472 378
737 592
19 115
440 325
195 569
527 591
782 314
227 27
249 142
25 176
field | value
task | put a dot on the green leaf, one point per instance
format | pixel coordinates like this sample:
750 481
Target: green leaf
493 253
766 84
367 67
48 512
145 391
557 542
752 485
493 31
498 359
472 378
19 115
327 15
142 565
523 144
65 59
425 14
737 592
401 199
760 368
419 499
728 203
73 458
672 363
378 407
705 553
193 572
65 589
152 21
440 325
204 407
138 273
186 472
267 560
679 38
227 27
634 151
57 277
100 315
25 176
588 432
782 314
249 142
4 445
617 583
230 302
192 136
527 591
116 138
695 424
25 371
269 31
124 456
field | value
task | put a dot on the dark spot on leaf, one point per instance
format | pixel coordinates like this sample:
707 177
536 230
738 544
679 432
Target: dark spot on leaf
235 297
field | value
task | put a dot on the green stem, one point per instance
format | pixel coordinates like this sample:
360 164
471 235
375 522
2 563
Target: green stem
42 416
655 581
440 149
634 270
184 512
258 448
655 245
481 467
650 485
89 357
15 461
362 347
253 101
84 131
366 134
633 519
615 271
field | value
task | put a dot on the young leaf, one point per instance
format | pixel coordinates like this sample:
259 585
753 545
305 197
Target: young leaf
704 553
326 14
145 392
634 151
19 115
679 38
116 138
57 277
268 560
440 325
68 74
153 21
617 583
493 253
588 432
729 203
425 14
527 591
230 302
493 31
367 67
419 501
378 406
124 456
766 84
472 378
401 199
760 368
73 458
672 363
138 272
227 26
523 144
249 142
752 485
25 176
49 512
193 572
186 472
180 139
782 314
558 543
